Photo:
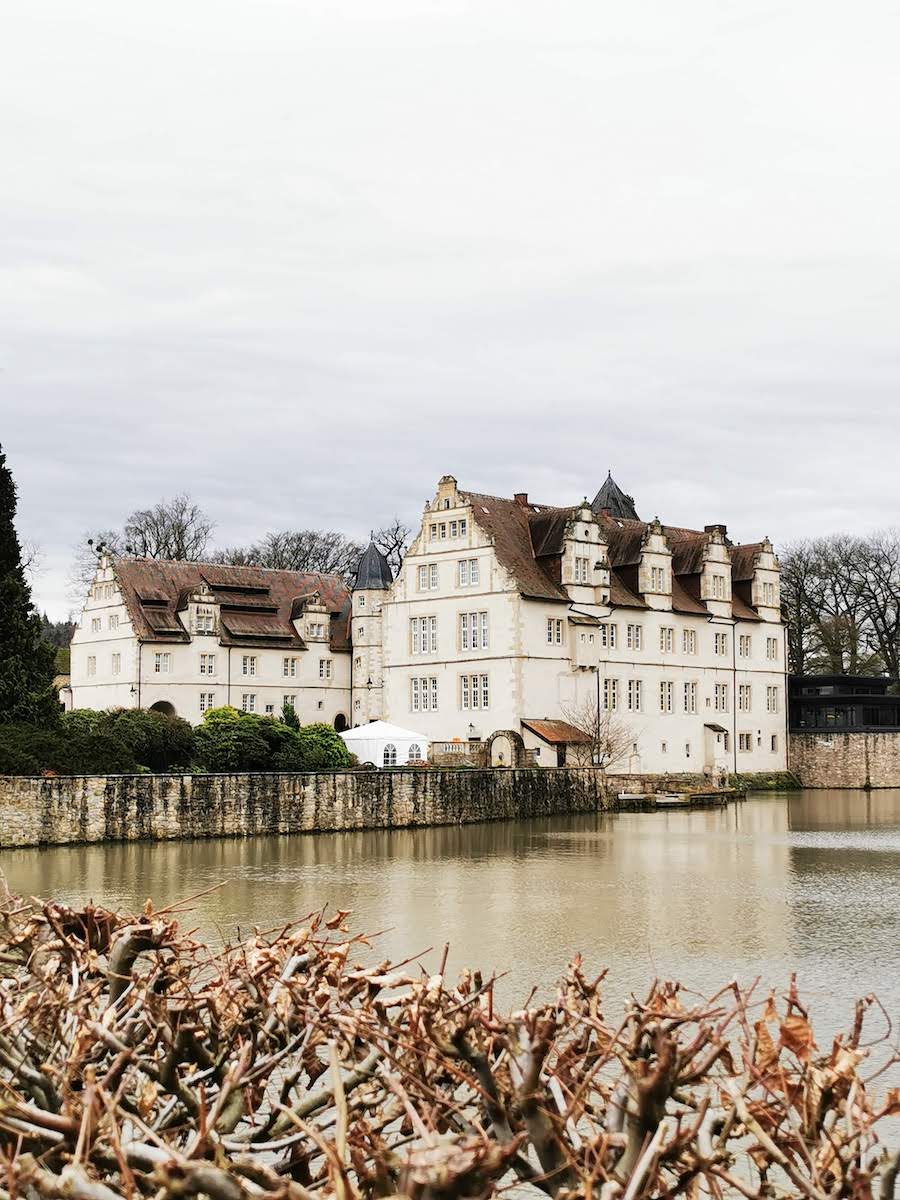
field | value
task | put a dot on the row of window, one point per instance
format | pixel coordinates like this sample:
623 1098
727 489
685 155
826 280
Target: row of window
440 531
634 639
103 591
473 692
720 700
250 702
745 743
472 633
112 622
468 574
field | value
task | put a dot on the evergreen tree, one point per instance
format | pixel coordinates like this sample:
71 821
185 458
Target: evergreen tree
27 662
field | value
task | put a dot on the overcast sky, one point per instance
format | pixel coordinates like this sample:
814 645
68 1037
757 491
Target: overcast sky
302 258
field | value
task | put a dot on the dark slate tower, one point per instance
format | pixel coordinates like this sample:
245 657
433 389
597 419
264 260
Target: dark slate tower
615 501
373 579
374 572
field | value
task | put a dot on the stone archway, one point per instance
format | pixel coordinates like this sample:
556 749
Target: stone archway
340 723
166 707
509 751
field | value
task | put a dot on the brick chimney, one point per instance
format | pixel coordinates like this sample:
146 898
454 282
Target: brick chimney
521 498
723 529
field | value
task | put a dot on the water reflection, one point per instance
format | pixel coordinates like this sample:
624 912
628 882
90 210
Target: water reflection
806 882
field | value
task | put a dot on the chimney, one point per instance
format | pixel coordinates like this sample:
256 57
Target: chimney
521 498
723 529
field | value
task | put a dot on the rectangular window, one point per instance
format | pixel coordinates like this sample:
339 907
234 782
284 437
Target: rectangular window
270 709
207 664
689 641
772 699
162 663
92 664
442 530
745 697
95 624
609 636
289 700
432 532
745 742
690 697
666 696
453 529
718 587
658 579
423 635
721 643
768 594
467 573
635 695
720 701
581 570
634 637
474 691
203 621
113 621
324 668
288 668
248 664
745 645
463 527
772 648
427 576
117 664
667 639
207 701
423 694
554 631
248 701
611 695
774 743
687 749
473 631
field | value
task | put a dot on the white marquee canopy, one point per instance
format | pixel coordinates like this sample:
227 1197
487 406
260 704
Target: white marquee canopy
385 745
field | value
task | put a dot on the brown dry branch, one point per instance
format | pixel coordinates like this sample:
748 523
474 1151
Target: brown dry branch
137 1062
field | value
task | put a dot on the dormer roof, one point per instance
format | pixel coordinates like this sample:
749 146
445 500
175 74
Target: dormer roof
613 500
374 571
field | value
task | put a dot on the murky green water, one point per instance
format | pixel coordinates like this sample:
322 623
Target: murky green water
807 882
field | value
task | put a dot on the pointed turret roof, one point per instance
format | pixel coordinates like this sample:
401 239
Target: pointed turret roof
615 501
374 571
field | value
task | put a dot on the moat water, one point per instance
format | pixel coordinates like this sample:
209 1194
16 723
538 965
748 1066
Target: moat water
807 882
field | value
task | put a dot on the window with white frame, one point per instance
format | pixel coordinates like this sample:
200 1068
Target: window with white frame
207 664
289 700
635 695
467 572
745 645
324 668
207 701
92 664
582 567
95 624
203 620
248 701
768 594
745 697
389 757
162 662
554 631
428 577
117 664
667 639
634 637
315 629
745 742
611 695
658 579
666 696
361 602
609 636
690 697
415 753
113 621
772 648
423 635
721 640
772 699
689 641
423 693
718 587
720 697
270 710
288 667
473 631
248 664
474 691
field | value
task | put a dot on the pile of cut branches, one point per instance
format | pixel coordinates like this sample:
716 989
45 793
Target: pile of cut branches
137 1061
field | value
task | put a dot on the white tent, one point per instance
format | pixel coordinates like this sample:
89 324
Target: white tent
385 745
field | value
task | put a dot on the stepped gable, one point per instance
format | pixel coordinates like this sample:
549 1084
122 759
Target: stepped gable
374 571
256 603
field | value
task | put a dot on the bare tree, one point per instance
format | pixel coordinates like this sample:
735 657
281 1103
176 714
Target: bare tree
84 561
392 541
322 550
608 739
176 529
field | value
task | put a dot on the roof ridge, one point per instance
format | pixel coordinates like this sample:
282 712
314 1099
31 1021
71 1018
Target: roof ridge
196 562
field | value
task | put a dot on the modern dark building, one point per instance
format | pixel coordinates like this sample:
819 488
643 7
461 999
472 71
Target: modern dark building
825 703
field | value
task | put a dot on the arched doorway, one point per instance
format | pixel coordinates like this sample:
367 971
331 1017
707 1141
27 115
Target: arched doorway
163 706
340 723
505 748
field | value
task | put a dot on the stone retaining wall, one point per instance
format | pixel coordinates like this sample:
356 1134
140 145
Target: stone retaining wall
70 809
846 760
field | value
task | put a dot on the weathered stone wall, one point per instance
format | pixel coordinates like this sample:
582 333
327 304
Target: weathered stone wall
846 760
130 807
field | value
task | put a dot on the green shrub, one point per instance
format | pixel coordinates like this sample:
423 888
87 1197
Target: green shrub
323 748
79 750
228 741
157 741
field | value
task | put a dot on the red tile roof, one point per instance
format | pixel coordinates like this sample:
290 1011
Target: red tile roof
557 732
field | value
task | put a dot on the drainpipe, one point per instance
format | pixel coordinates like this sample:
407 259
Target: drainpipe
228 685
734 697
140 648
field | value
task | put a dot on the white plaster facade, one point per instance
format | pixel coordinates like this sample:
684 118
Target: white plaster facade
698 680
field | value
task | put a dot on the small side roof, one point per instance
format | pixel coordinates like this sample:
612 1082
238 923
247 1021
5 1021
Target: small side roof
382 731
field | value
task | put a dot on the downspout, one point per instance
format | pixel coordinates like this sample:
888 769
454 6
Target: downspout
140 649
228 685
734 694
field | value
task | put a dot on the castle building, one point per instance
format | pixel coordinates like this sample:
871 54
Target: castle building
508 619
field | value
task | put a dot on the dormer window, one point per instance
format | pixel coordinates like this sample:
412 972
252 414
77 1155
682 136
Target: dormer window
582 565
203 620
718 587
657 579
